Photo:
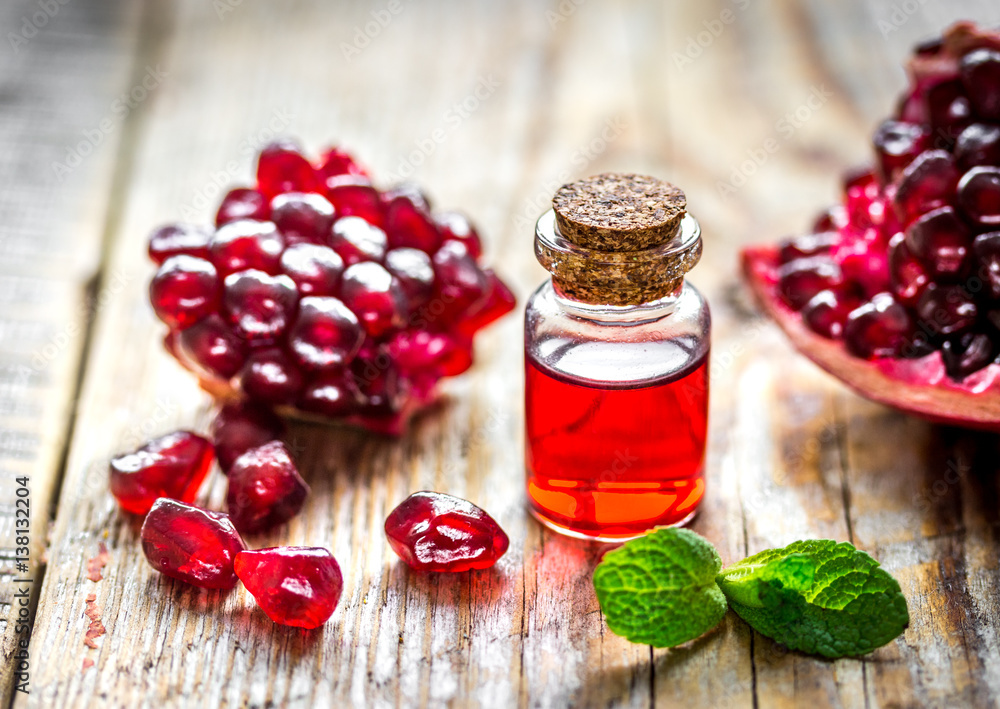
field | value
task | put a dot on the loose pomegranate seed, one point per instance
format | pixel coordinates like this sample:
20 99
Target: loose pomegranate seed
435 532
334 395
815 244
987 250
907 274
354 196
800 280
979 195
456 226
296 586
415 273
172 466
409 225
242 203
259 306
265 488
374 296
247 244
925 184
302 216
190 544
967 354
336 162
979 144
270 376
499 301
980 71
946 309
355 240
826 313
212 348
240 426
325 335
281 168
178 239
940 240
184 290
896 144
879 328
461 287
315 269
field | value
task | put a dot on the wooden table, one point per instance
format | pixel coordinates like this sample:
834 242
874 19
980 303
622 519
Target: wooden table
117 116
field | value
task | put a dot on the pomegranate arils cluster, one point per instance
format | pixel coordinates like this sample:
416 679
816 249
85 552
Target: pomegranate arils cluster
909 264
313 276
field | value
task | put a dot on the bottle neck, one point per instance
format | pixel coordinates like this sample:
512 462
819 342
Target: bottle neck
618 314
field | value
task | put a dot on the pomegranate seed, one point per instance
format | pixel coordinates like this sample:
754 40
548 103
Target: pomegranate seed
242 203
354 196
815 244
435 532
864 262
247 244
896 144
374 296
456 226
381 388
409 191
355 240
171 466
336 162
940 240
826 313
879 328
979 195
265 488
184 290
302 216
925 184
979 144
987 250
949 109
499 301
296 586
967 354
326 334
409 225
212 349
281 168
418 352
178 239
833 219
415 273
259 306
461 287
240 426
334 395
947 309
315 269
800 280
980 70
190 544
270 376
907 274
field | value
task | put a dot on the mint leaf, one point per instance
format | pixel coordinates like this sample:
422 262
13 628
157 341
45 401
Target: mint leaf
818 597
660 589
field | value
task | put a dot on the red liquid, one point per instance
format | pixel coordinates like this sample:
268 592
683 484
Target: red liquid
614 462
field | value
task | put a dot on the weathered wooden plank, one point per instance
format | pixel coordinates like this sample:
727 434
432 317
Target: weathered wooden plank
63 67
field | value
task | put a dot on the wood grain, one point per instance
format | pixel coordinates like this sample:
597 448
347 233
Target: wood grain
579 88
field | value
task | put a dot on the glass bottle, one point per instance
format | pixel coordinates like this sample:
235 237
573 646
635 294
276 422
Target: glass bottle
616 361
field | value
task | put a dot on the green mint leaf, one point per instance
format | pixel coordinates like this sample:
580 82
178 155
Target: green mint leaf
660 589
819 597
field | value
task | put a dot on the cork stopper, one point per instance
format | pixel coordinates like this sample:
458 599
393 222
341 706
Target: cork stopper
619 212
618 240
